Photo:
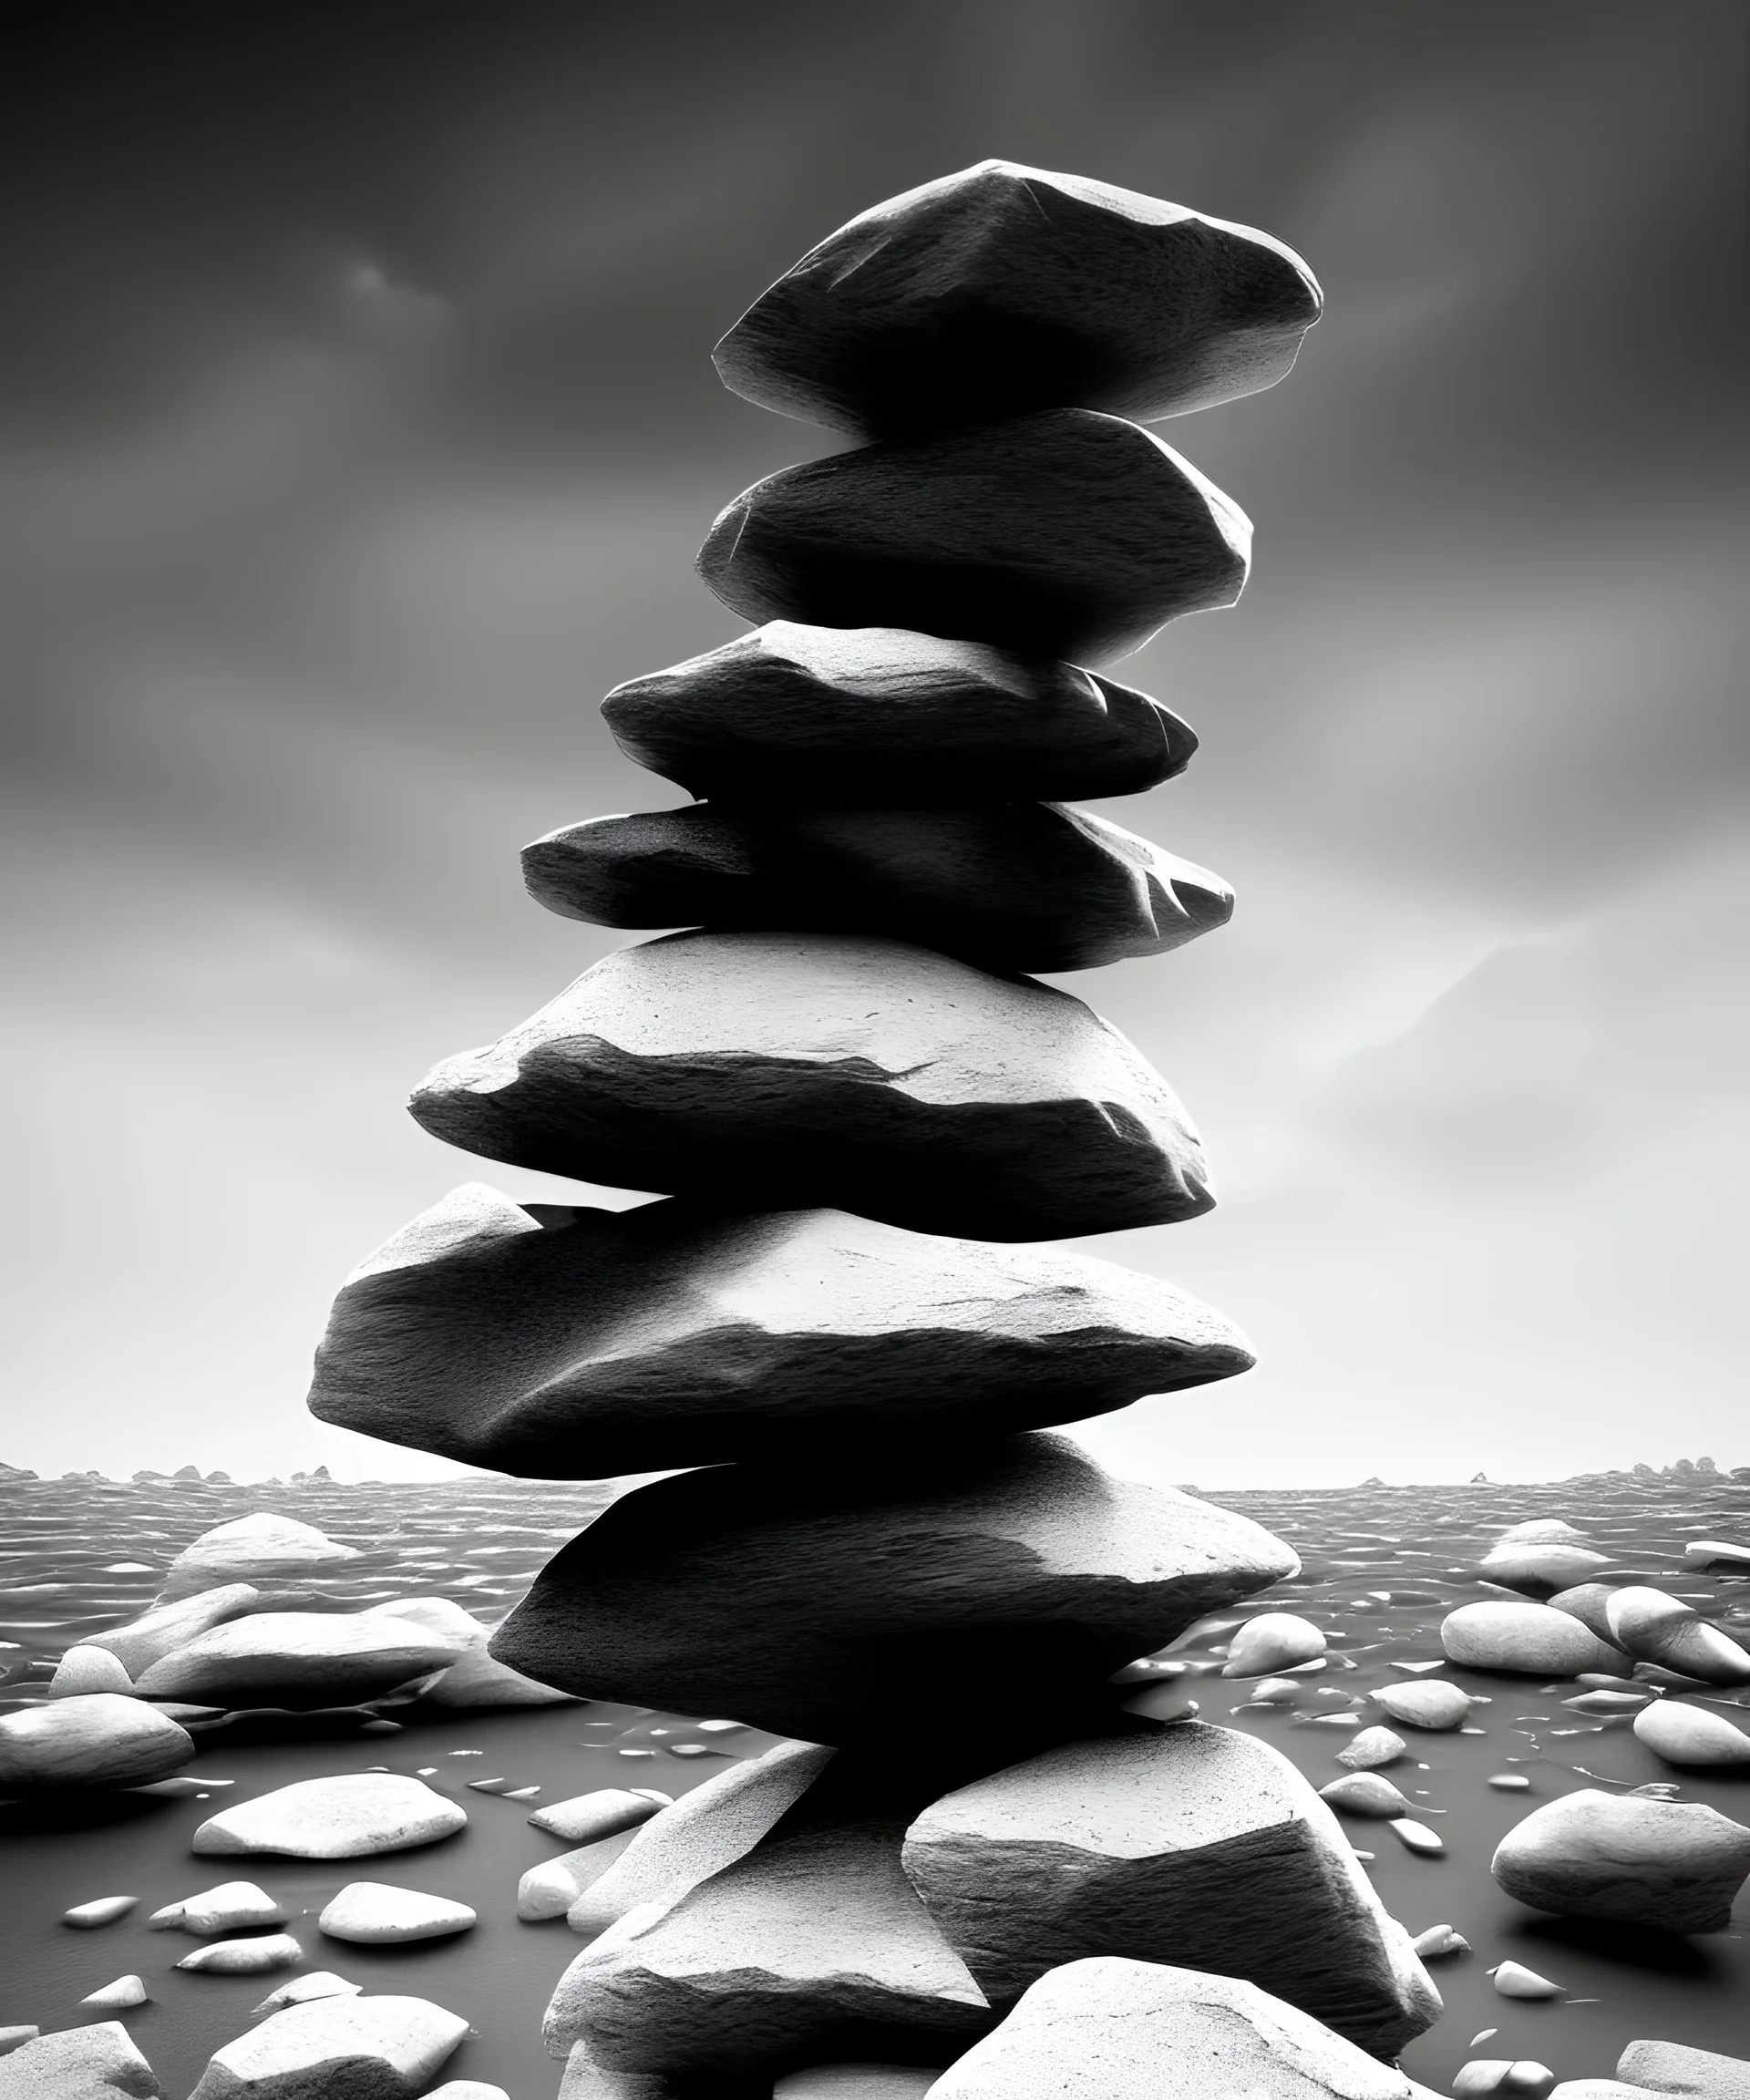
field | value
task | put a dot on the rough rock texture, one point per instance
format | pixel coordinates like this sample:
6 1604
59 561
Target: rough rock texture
813 1943
551 1889
378 1913
1097 2029
585 2079
1656 1628
1185 1845
1063 534
476 1681
94 2062
1003 289
1369 1748
336 2049
298 1659
350 1816
1669 1864
704 1831
581 1343
857 2081
1002 885
167 1627
1697 2074
249 1547
1528 1638
86 1669
1695 1735
776 1071
885 715
256 1956
99 1739
821 1609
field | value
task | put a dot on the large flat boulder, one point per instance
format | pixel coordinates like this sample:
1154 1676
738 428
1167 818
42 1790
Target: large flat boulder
345 1815
1672 1865
777 1071
336 2049
155 1633
1006 886
96 2063
1002 288
813 1943
1188 1845
95 1739
579 1344
1112 2029
1533 1639
1694 2073
263 1545
1063 534
886 715
299 1659
824 1605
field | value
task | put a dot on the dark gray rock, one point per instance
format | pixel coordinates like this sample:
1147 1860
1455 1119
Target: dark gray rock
1003 885
1066 534
813 1943
1107 2027
826 1609
777 1071
578 1344
882 714
1003 289
1188 1845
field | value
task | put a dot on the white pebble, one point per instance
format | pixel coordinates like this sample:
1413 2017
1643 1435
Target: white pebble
1417 1836
1512 1979
100 1910
117 1997
244 1957
376 1913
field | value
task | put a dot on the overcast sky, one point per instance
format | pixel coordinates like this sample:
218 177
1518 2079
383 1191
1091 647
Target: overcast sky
359 429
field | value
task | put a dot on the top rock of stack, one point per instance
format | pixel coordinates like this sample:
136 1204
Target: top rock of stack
1003 289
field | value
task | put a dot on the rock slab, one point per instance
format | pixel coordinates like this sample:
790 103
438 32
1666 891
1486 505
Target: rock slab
298 1659
350 1816
94 1739
336 2049
95 2063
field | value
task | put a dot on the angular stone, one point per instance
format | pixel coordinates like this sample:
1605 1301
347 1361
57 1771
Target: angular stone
1371 1748
121 1996
86 1669
378 1913
167 1627
1063 534
885 715
698 1836
581 1343
1531 1639
101 1911
1105 2027
1694 2073
785 1601
813 1943
232 1906
475 1682
1673 1865
1188 1845
1691 1735
249 1547
298 1659
1540 1566
95 2063
1003 289
336 2049
349 1816
97 1739
256 1956
1656 1628
1006 886
318 1984
772 1071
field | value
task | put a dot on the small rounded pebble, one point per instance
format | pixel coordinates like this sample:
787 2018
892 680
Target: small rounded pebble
1487 2033
100 1910
232 1906
1417 1836
1365 1794
1426 1704
1438 1942
1372 1748
1513 1980
117 1997
1509 1782
244 1957
376 1913
1272 1641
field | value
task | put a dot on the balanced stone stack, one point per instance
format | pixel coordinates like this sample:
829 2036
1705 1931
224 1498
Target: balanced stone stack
857 1104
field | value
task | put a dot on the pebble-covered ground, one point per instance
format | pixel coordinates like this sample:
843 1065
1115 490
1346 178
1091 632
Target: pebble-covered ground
1381 1566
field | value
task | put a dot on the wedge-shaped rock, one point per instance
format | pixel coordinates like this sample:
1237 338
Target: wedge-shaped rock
349 1815
1003 289
97 1739
571 1345
95 2063
337 2049
1673 1865
1064 534
1003 885
1184 1845
822 1607
815 1944
298 1659
149 1638
774 1071
886 715
1099 2029
1697 2074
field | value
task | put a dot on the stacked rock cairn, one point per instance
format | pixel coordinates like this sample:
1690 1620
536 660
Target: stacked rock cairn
858 1108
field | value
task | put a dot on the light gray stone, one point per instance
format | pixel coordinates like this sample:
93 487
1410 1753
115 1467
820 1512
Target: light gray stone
95 1739
1540 1566
336 2049
1062 534
586 2079
378 1914
298 1659
1429 1703
100 1910
232 1906
1366 1794
704 1831
1691 1735
257 1956
1673 1865
777 1071
1695 2073
1107 2026
568 1343
779 1600
1655 1628
586 1818
86 1669
249 1549
349 1816
857 2081
550 1890
1271 1641
812 1936
466 2089
18 2033
1186 1843
94 2062
121 1996
1371 1748
166 1627
1531 1639
302 1989
883 715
